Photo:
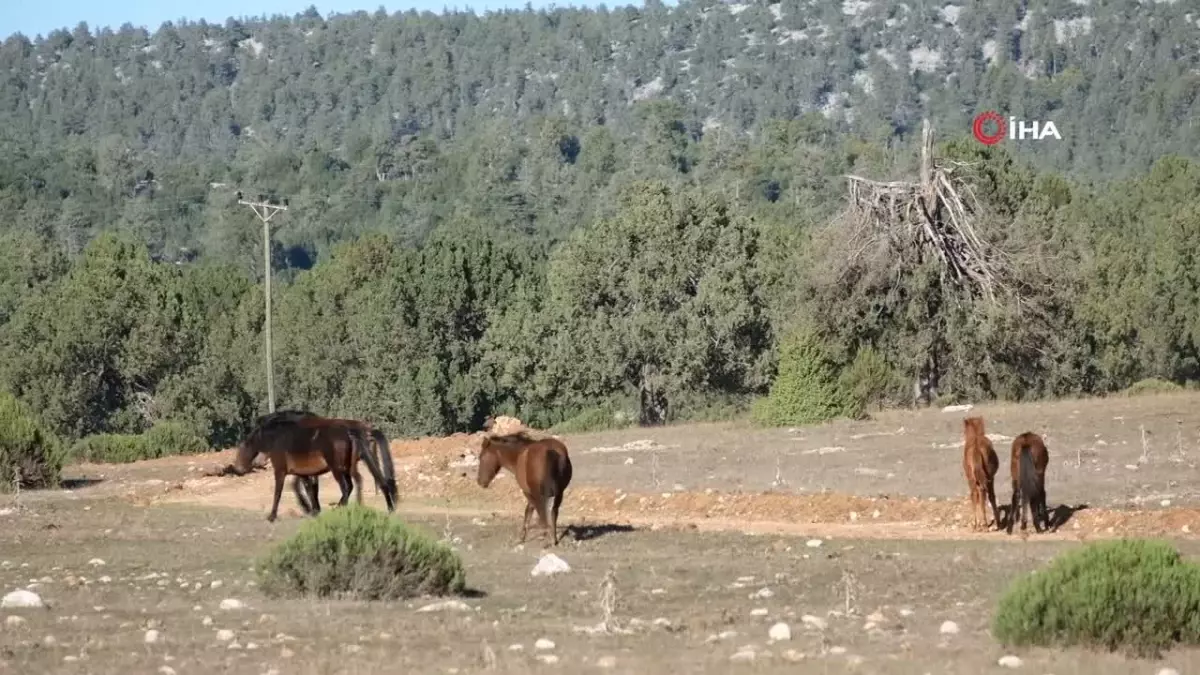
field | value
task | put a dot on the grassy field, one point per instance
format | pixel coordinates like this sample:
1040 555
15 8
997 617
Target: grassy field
714 550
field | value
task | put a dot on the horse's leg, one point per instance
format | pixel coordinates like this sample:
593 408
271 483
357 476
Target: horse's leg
299 486
525 521
313 483
1016 504
356 476
991 493
280 475
543 517
347 486
558 497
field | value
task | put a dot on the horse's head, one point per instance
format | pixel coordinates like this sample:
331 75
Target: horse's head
246 452
489 423
489 463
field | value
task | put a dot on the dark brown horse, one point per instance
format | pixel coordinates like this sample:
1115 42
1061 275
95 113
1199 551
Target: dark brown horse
1028 466
542 469
306 446
980 465
382 454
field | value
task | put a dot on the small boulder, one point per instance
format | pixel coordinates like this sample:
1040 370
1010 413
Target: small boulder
21 600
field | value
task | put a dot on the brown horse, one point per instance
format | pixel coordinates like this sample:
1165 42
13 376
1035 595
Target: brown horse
382 456
980 464
1028 466
306 446
542 469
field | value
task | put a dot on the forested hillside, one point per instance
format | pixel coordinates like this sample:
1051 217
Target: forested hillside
578 214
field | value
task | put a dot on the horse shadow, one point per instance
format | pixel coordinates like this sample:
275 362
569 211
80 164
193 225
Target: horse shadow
589 532
1059 515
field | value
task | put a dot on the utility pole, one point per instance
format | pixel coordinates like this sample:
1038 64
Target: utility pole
265 212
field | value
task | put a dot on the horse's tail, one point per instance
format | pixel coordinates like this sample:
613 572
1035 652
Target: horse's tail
1031 487
362 444
388 470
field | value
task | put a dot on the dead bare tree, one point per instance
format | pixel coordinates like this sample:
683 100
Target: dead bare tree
936 216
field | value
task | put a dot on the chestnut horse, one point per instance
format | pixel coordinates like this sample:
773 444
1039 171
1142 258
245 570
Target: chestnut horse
542 469
980 464
1028 466
304 445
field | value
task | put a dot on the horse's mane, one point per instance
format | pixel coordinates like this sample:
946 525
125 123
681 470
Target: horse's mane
519 437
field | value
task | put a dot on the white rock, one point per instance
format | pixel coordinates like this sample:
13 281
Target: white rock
550 564
224 635
49 641
814 543
957 408
762 593
814 621
1168 671
232 603
446 605
780 632
151 637
13 621
742 656
96 562
21 600
166 670
837 651
516 648
949 628
543 644
1009 661
606 662
549 659
759 611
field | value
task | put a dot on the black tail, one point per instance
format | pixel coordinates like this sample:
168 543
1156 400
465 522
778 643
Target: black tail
368 457
388 469
1031 488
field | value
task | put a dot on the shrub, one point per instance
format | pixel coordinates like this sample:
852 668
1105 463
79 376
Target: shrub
868 380
164 439
591 419
806 389
359 552
27 448
1133 595
1151 385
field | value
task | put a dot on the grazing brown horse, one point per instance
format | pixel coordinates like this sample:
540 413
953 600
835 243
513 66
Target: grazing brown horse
382 456
1028 466
304 445
980 464
542 469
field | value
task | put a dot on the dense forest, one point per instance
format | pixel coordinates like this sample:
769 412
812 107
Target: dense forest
585 217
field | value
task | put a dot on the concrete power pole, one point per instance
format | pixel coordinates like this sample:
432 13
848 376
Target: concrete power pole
265 212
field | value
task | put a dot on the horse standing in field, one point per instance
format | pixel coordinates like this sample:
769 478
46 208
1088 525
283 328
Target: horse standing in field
542 469
980 465
306 446
1028 466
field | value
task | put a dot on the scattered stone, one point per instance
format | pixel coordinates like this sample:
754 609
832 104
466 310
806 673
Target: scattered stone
49 641
759 611
837 651
13 621
814 543
1168 671
814 622
780 632
906 612
70 658
516 648
151 637
550 564
876 617
206 621
232 603
543 644
21 600
606 662
743 655
96 562
763 593
549 659
216 584
794 656
446 605
224 635
949 628
286 653
166 670
1009 661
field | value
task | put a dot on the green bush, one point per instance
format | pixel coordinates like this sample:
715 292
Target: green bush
592 419
868 380
164 439
27 448
361 553
1134 595
806 389
1151 385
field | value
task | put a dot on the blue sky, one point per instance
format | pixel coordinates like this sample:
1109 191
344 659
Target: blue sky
34 17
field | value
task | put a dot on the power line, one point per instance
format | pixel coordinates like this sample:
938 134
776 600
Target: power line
265 212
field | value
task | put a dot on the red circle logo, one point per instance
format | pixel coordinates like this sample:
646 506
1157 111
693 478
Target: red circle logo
982 136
